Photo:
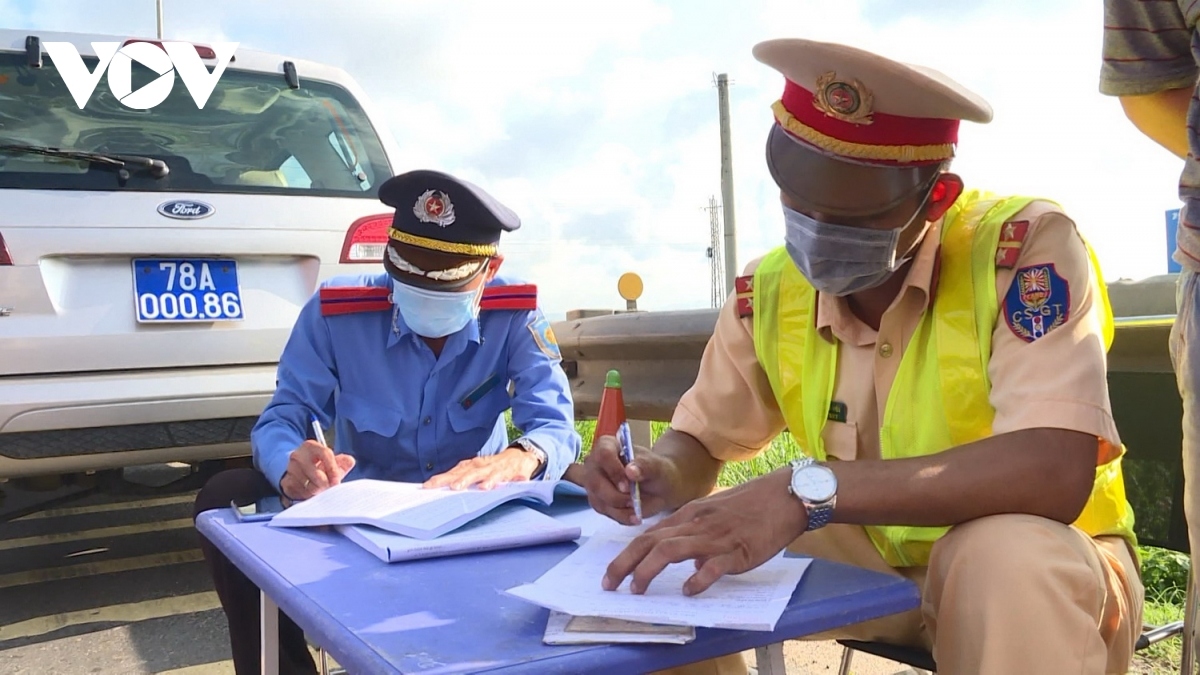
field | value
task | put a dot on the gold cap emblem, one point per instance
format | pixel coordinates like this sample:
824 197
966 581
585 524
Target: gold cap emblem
848 101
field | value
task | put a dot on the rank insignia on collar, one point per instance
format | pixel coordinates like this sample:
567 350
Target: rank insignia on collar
1038 301
846 100
434 206
743 288
1012 235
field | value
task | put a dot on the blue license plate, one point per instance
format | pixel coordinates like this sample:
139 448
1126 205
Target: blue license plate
172 290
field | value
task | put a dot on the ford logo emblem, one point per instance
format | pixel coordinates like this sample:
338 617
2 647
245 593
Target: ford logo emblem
186 210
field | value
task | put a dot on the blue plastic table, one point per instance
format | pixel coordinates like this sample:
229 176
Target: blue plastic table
451 615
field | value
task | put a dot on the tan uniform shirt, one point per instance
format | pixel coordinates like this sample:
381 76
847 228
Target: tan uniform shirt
1057 380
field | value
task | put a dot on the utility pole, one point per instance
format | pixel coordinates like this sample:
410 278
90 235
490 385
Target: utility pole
731 268
718 292
159 13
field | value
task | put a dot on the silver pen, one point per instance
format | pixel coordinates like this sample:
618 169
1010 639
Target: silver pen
626 439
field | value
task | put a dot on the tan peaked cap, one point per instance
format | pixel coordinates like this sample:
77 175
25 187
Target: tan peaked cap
897 88
857 133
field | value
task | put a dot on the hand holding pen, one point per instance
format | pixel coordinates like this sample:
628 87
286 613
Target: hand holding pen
313 467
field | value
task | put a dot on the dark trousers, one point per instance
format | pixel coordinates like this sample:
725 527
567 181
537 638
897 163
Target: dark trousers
239 596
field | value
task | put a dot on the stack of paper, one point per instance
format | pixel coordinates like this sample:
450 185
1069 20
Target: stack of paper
564 629
406 508
751 601
509 526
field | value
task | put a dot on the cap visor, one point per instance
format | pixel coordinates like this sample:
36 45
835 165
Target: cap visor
428 261
829 185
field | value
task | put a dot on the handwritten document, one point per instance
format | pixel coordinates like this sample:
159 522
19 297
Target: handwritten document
751 601
406 508
507 526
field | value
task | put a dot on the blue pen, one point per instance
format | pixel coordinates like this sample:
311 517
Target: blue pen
318 435
626 439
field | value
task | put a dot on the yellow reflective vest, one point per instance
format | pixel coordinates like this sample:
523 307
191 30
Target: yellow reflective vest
944 367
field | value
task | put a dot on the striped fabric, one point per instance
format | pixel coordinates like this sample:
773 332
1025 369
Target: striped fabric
515 296
1152 46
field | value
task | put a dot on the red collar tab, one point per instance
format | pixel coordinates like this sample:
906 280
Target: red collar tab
515 297
337 300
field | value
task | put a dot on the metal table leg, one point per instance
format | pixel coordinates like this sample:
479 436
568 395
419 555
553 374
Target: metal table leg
269 635
770 659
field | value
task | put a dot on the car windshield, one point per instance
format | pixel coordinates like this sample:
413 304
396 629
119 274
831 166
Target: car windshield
254 135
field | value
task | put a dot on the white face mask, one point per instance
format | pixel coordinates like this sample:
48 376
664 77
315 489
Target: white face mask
842 260
435 314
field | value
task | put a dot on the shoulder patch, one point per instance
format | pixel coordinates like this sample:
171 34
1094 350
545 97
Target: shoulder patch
543 335
354 299
744 288
518 296
1012 235
1038 301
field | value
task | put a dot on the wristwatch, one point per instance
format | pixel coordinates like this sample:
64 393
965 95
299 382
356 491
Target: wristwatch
532 448
816 487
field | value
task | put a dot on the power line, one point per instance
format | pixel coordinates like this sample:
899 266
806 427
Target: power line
717 279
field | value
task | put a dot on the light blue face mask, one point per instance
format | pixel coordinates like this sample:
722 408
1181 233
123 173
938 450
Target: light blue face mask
435 314
839 259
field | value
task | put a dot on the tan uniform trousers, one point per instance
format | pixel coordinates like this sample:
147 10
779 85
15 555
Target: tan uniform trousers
1009 594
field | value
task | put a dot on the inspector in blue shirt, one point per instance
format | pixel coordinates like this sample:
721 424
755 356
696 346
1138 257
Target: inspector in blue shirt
402 413
412 370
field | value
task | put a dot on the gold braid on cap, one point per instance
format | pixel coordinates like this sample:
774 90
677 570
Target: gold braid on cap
891 153
485 250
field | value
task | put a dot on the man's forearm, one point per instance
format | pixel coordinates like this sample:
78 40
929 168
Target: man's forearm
693 470
1044 472
1162 116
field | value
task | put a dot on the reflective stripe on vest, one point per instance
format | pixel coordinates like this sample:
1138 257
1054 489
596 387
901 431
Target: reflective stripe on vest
944 366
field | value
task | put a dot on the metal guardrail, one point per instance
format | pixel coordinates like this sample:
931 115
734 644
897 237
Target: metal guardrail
658 353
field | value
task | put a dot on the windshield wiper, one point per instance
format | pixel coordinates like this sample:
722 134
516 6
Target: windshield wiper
120 163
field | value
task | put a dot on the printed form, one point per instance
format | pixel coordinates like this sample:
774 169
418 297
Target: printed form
405 508
751 601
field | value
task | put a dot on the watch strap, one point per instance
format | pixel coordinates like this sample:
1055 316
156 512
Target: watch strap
533 449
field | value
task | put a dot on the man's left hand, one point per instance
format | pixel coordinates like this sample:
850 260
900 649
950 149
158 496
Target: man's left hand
730 532
513 464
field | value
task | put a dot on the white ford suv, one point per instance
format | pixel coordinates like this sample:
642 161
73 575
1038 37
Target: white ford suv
152 261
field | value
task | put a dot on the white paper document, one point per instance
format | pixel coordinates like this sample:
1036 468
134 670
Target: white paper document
564 629
507 526
751 601
406 508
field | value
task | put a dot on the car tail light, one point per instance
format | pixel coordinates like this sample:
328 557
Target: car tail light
201 51
366 239
5 258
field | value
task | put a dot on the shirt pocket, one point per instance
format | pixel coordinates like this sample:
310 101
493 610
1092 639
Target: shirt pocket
479 404
841 440
367 416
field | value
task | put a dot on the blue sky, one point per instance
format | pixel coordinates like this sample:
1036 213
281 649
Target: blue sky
597 122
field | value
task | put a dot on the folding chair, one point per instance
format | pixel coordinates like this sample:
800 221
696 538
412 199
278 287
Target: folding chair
1148 412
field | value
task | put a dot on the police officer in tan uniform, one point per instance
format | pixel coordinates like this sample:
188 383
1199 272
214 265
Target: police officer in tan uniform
938 354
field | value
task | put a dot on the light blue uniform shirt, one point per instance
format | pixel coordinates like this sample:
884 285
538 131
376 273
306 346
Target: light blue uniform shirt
401 412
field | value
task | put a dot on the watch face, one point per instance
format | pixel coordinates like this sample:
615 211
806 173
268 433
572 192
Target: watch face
814 483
